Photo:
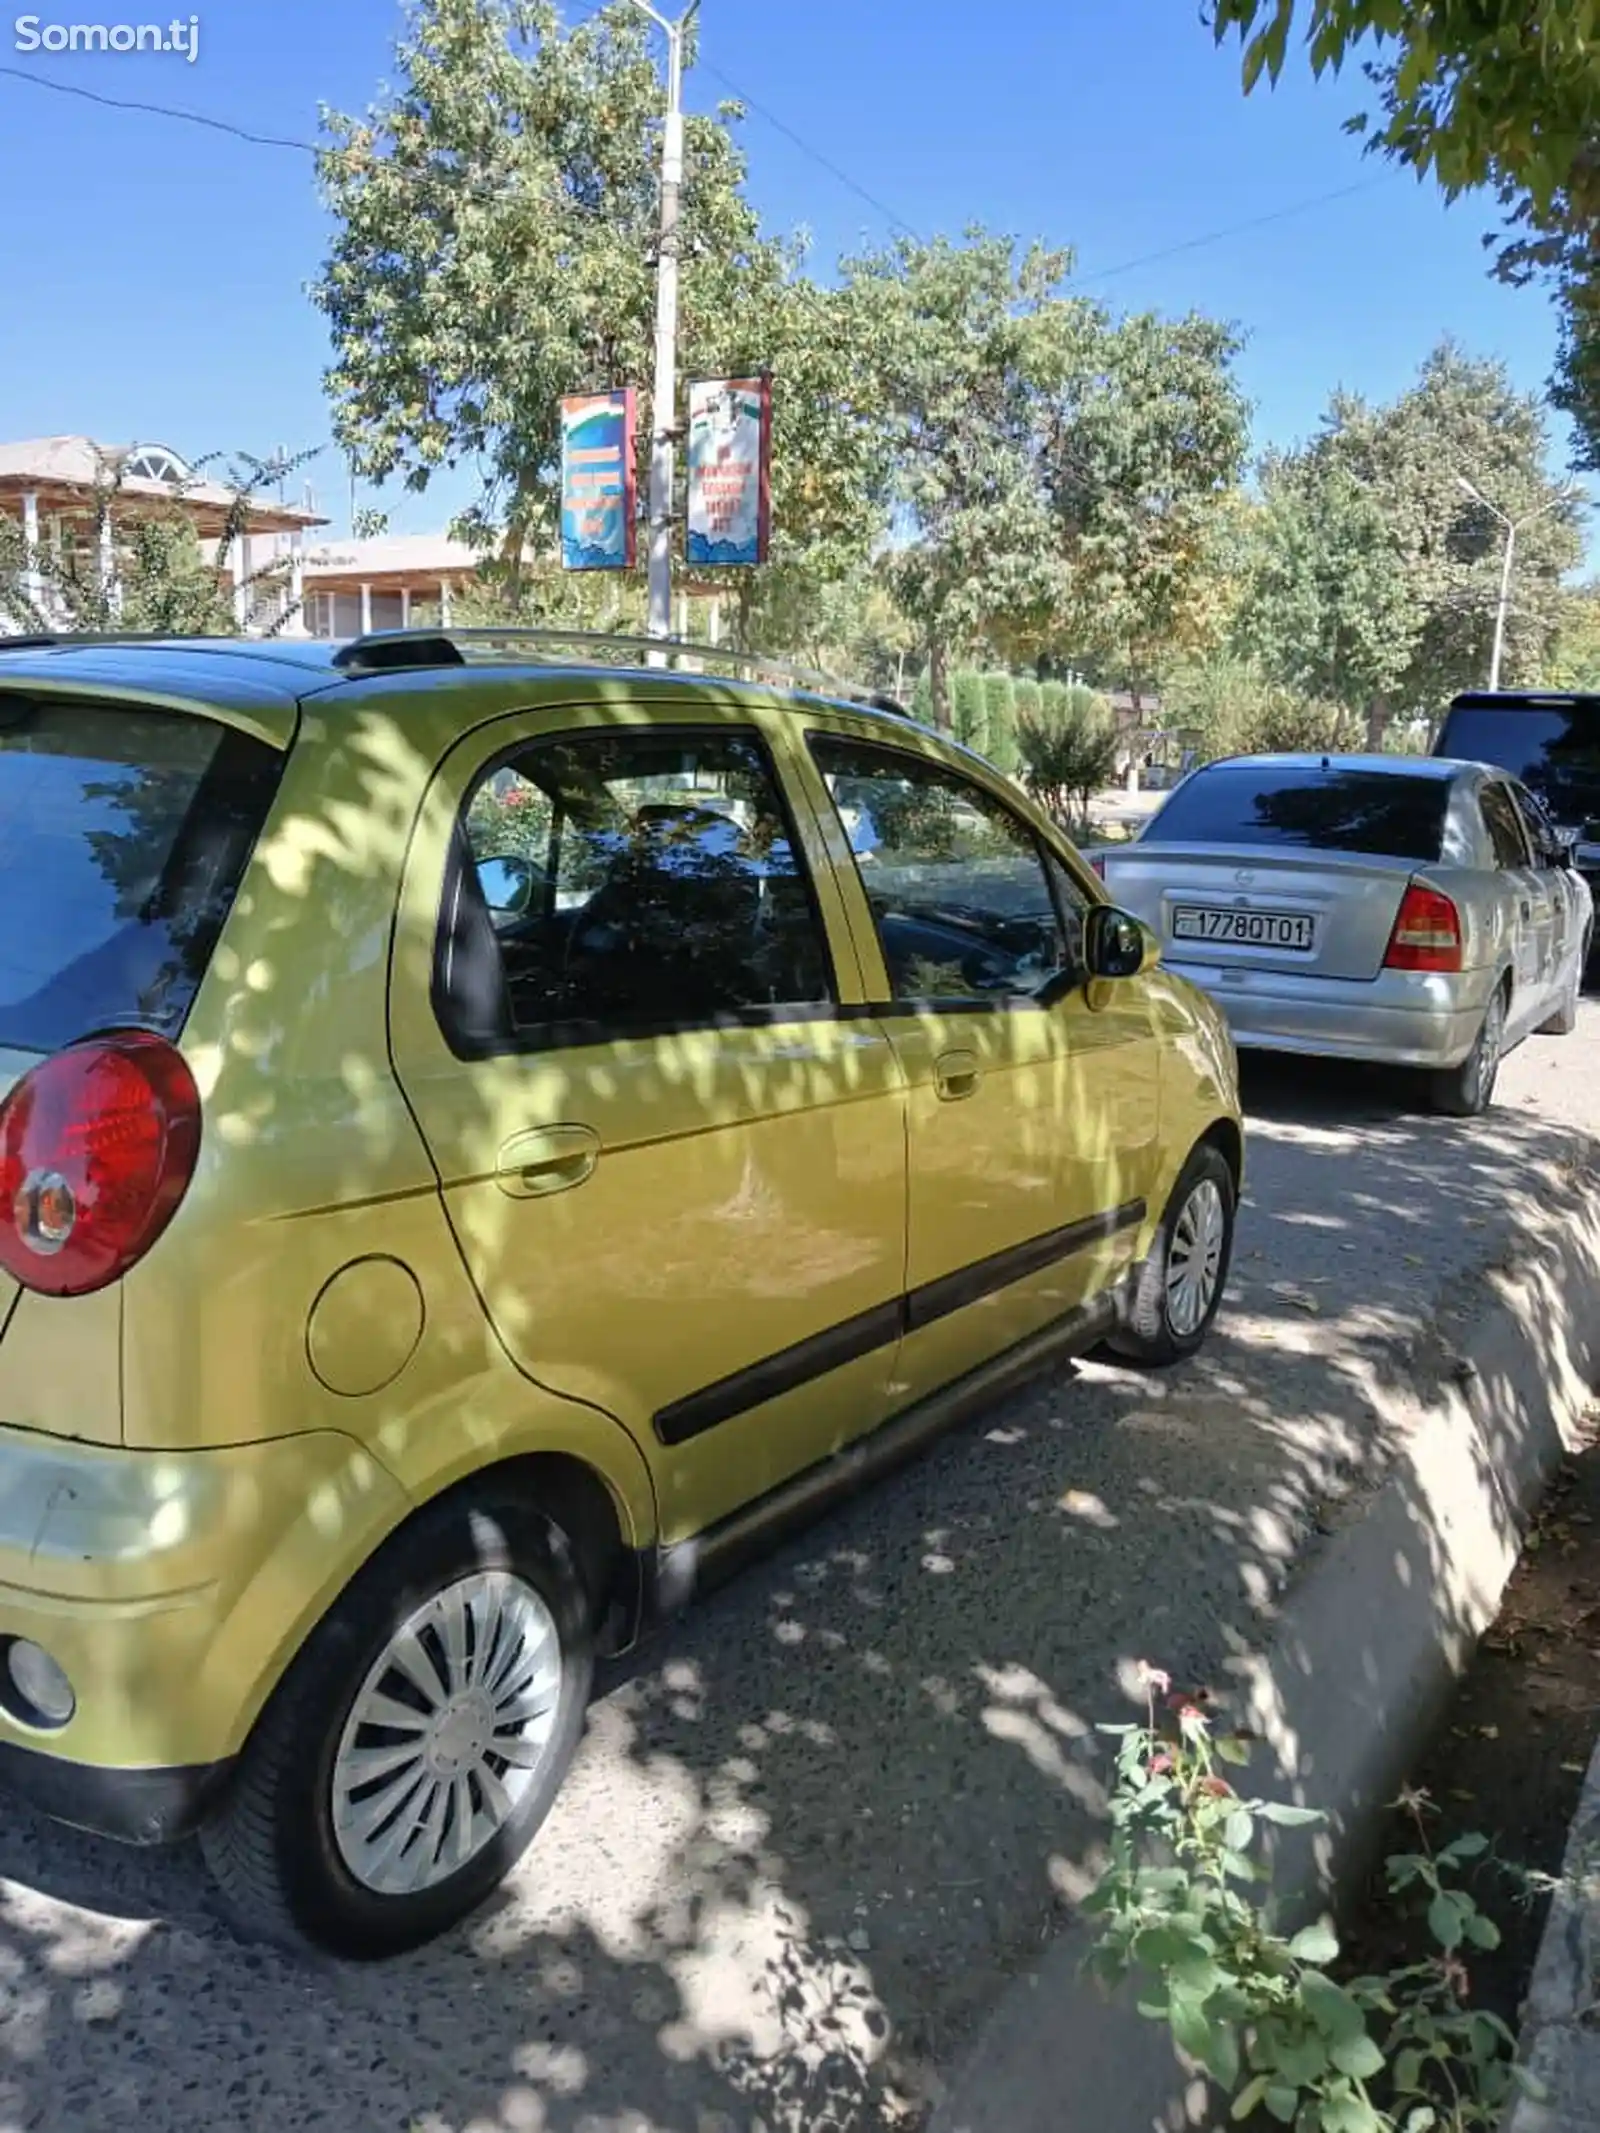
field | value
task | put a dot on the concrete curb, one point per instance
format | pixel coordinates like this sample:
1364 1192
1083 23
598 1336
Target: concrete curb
1561 2016
1366 1643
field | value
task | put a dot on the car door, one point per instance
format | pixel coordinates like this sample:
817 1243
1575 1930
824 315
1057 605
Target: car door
1032 1114
672 1153
1527 906
1557 880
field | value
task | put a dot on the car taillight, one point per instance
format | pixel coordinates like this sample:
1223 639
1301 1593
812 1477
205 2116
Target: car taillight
97 1147
1099 865
1427 932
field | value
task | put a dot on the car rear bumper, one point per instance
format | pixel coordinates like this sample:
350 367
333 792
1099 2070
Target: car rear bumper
134 1806
1399 1018
170 1589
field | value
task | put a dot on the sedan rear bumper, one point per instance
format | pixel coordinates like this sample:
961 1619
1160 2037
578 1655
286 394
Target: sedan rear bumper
1399 1018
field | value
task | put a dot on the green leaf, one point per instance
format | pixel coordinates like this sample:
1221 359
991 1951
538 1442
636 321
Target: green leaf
1249 2097
1350 2114
1238 1830
1445 1922
1472 1846
1158 1948
1232 1750
1407 2071
1283 2104
1481 1931
1422 2120
1303 2061
1315 1944
1191 2031
1335 2013
1359 2057
1289 1817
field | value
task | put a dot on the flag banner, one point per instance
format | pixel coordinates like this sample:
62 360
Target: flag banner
598 481
730 444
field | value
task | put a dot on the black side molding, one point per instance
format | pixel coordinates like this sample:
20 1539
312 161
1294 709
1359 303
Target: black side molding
688 1568
884 1324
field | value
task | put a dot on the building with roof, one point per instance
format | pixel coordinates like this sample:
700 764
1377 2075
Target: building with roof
384 583
54 487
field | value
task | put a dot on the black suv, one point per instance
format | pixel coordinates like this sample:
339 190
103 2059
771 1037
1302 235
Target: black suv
1548 740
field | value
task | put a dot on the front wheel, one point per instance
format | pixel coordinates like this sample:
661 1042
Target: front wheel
1467 1090
1179 1288
417 1742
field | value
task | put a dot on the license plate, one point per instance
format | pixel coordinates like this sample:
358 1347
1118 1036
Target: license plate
1243 929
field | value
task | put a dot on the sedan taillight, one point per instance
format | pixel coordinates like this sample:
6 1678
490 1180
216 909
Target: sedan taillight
1427 932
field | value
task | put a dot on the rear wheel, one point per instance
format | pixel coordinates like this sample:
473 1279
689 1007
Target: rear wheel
418 1741
1179 1287
1467 1090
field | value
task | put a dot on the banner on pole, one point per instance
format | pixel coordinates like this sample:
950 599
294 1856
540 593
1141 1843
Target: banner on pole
730 447
599 483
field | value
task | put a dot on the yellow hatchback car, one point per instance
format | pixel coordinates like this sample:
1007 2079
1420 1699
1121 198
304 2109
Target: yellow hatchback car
484 1142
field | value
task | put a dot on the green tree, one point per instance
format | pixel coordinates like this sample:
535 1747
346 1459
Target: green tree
1573 661
1141 459
1000 713
1373 576
1497 93
1068 751
969 708
495 224
963 347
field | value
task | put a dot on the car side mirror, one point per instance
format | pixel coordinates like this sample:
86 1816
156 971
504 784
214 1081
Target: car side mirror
1561 846
1117 945
507 885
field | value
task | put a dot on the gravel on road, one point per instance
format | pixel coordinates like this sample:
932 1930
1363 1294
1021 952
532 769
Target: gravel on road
818 1825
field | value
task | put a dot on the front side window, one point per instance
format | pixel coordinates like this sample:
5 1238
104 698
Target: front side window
642 879
964 906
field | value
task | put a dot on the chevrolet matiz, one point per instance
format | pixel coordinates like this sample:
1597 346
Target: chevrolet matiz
487 1139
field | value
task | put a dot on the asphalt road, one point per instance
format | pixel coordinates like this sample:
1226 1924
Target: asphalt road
813 1833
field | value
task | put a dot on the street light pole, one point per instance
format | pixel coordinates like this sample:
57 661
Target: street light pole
1513 527
664 396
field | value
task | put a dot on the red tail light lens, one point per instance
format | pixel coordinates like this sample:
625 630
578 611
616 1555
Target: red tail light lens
1427 932
1099 865
97 1147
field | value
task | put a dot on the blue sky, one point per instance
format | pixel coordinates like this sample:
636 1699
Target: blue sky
155 272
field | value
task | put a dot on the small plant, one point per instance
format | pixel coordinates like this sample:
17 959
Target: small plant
1184 1910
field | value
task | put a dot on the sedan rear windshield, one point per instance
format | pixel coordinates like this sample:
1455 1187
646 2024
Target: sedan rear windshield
123 835
1306 808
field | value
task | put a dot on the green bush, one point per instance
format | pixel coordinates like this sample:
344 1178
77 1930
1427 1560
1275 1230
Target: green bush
1052 698
969 708
1000 700
922 698
1026 697
1068 751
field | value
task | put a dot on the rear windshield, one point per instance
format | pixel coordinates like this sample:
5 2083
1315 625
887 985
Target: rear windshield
1554 749
1387 813
123 834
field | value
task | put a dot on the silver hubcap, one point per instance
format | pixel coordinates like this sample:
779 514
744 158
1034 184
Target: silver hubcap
448 1733
1194 1258
1489 1047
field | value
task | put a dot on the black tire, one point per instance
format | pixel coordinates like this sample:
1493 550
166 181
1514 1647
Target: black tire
1565 1019
1148 1335
272 1847
1467 1090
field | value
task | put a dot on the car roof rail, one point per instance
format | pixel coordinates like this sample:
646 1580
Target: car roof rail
392 651
47 640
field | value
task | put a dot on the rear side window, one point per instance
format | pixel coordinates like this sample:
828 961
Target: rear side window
1388 813
123 835
1504 826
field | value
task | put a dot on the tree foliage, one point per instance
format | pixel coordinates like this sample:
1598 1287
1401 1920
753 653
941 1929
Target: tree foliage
1372 576
1067 749
1497 93
496 229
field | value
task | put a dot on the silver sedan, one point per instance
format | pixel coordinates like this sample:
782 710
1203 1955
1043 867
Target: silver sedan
1407 910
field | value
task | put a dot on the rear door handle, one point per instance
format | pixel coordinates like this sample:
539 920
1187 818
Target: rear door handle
955 1075
546 1159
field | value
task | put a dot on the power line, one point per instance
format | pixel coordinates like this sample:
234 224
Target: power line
1236 229
826 163
170 111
